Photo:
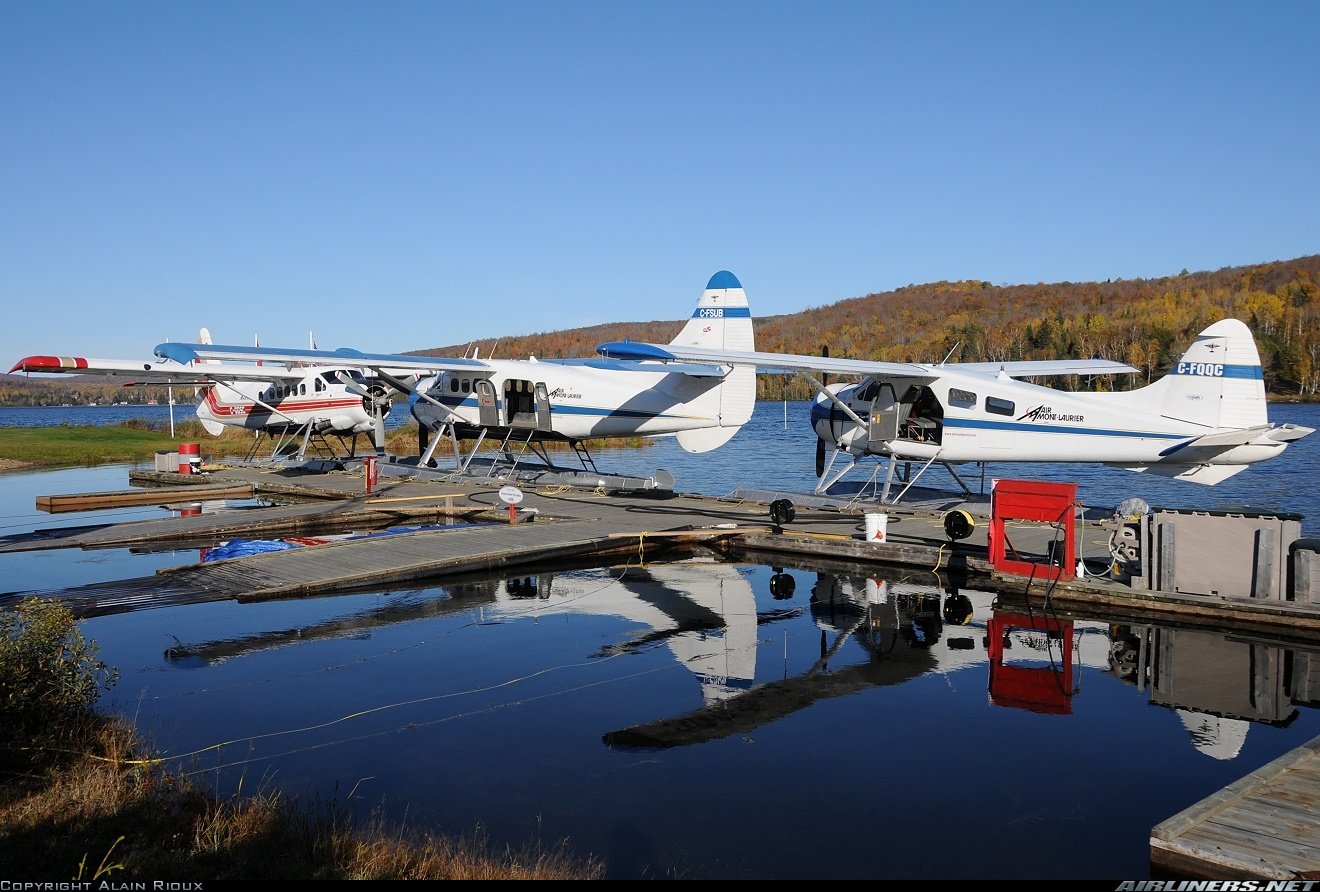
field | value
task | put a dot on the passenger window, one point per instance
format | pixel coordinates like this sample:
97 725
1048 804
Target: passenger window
998 406
962 398
453 385
467 386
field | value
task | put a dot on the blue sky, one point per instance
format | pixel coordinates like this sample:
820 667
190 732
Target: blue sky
399 175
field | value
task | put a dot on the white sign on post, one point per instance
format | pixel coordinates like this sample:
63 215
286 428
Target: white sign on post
510 495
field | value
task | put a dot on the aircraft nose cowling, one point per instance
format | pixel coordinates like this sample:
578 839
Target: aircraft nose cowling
820 411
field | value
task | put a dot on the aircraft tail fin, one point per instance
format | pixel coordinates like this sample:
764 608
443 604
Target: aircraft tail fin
1217 382
722 320
204 337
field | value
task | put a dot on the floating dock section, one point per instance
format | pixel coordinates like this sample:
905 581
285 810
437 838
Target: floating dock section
1265 826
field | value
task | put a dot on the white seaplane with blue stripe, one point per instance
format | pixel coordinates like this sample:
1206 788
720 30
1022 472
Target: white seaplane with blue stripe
1204 421
527 402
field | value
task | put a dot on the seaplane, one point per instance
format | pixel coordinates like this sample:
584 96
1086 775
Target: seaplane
526 403
304 407
1203 422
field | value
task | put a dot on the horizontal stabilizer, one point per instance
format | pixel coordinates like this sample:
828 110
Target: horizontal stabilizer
1286 433
1208 475
1230 437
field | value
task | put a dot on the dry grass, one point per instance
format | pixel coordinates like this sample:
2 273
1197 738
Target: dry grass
96 809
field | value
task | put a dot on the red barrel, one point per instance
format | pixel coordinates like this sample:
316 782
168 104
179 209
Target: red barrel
190 458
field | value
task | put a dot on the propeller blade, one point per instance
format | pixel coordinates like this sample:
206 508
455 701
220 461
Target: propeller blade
820 457
423 438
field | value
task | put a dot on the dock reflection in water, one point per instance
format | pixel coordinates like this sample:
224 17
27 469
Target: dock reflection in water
704 720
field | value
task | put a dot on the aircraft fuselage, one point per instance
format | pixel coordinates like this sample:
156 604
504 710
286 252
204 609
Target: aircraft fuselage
281 405
965 418
571 399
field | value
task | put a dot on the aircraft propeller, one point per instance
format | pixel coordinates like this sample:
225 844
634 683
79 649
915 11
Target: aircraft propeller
820 444
375 400
404 387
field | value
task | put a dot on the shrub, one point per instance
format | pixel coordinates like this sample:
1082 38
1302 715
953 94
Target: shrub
50 676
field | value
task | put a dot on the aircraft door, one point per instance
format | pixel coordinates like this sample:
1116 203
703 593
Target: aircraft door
520 403
488 410
886 414
542 407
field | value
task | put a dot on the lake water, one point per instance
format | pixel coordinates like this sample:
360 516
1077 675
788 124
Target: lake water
707 721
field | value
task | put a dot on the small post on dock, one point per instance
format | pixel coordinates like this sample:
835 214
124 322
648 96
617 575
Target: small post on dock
511 496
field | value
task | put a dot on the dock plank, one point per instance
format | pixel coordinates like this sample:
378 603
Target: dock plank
1264 826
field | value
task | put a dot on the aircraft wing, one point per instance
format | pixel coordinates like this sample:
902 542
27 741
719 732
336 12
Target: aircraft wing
1031 368
402 365
344 357
160 371
764 362
795 362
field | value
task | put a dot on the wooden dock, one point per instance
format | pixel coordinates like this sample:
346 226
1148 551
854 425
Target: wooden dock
573 521
1265 826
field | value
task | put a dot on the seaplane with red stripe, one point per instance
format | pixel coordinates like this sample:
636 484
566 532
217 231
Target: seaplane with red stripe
307 409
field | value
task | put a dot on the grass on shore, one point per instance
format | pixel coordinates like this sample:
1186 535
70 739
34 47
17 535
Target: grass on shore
81 798
139 441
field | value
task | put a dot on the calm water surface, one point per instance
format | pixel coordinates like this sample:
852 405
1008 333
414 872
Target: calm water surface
709 721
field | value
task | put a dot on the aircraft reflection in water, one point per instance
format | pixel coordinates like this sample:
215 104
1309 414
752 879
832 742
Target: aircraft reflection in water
871 633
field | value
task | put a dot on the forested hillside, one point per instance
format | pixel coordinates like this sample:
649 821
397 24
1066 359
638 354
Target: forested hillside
1144 322
1147 323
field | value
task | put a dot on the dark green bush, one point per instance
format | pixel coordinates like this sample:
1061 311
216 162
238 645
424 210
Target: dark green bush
50 676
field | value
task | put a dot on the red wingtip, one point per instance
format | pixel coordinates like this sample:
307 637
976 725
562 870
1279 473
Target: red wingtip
48 363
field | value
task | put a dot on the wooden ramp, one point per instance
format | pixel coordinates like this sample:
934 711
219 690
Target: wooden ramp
1265 826
127 498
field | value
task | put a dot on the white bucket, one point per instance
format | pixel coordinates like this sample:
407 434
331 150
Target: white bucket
875 527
